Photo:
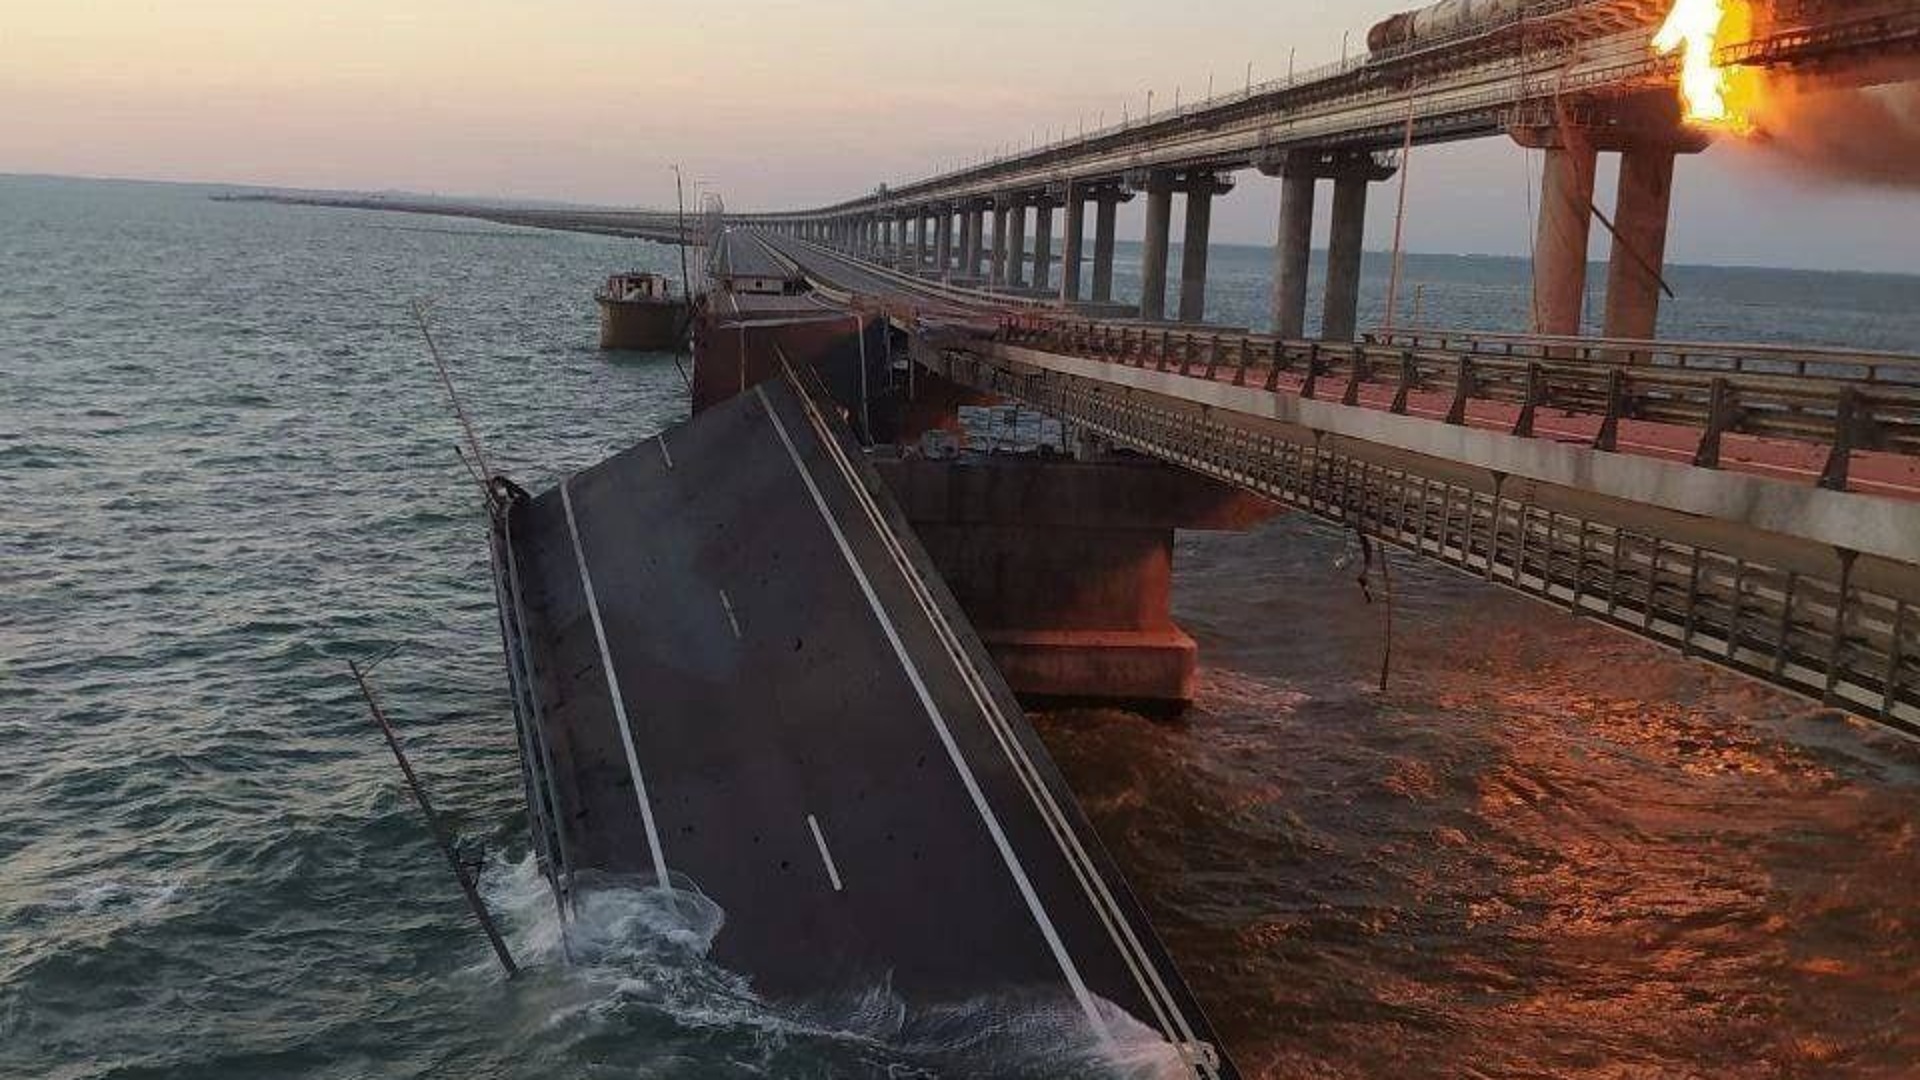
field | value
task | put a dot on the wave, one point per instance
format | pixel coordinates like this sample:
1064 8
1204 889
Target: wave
634 956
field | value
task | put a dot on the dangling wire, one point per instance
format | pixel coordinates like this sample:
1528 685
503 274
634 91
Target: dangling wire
1365 580
453 396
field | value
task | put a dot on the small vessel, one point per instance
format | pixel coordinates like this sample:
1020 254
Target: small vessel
640 311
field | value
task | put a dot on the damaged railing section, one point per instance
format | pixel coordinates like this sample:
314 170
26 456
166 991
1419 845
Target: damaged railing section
1834 637
506 502
1804 396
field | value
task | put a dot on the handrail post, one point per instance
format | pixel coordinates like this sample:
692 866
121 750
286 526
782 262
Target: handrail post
1721 413
1536 394
1409 377
1463 386
1608 438
1850 421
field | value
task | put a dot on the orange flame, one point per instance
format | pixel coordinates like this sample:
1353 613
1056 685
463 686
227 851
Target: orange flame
1695 29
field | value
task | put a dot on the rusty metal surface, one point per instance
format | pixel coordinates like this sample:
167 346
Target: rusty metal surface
785 658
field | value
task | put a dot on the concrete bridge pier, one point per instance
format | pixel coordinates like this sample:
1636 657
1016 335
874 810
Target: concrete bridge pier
1106 215
1015 262
1293 249
1042 242
1200 188
922 239
1072 242
1563 233
975 219
1153 251
1648 133
1340 315
997 257
943 241
1641 216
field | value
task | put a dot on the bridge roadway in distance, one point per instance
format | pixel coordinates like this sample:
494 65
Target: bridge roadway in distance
734 669
1571 79
1735 511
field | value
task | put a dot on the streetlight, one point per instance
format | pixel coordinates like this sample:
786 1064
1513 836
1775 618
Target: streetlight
680 196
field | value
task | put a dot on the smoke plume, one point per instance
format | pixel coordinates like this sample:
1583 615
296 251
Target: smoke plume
1866 135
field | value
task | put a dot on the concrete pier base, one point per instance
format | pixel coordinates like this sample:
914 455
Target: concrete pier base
1065 567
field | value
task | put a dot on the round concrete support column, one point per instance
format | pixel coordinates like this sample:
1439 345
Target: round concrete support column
997 258
1640 218
1340 318
1015 263
1293 253
1105 218
1042 243
1153 250
943 242
1071 246
1195 243
1560 247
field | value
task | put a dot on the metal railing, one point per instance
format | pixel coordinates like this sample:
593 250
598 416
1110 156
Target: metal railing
1841 414
1810 624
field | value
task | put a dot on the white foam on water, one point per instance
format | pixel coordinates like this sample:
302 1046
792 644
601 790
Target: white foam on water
120 897
633 950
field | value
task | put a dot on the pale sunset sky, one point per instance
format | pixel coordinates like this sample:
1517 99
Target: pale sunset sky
773 103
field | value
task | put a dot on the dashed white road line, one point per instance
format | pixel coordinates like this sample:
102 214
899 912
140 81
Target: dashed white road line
820 841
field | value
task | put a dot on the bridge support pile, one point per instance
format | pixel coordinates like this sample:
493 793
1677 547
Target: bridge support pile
1067 567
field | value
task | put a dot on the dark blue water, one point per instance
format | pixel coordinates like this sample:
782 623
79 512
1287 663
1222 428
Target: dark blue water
225 468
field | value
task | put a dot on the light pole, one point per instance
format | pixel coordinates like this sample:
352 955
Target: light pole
680 196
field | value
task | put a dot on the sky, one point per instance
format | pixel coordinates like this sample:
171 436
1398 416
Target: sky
773 104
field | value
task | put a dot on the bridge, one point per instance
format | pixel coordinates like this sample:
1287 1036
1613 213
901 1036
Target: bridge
1755 507
772 661
1571 78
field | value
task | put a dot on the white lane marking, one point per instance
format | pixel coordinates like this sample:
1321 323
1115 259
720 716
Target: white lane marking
820 841
726 602
613 688
1171 1019
664 456
967 779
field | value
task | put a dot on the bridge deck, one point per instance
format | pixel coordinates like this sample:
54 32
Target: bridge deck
743 674
1751 565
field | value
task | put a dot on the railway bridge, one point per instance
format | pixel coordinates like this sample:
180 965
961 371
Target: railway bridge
1570 78
1756 507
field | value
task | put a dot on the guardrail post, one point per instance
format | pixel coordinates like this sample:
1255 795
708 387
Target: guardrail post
1721 412
1313 370
1463 387
1213 355
1246 358
1609 437
1409 378
1361 373
1851 420
1536 393
1166 344
1274 359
